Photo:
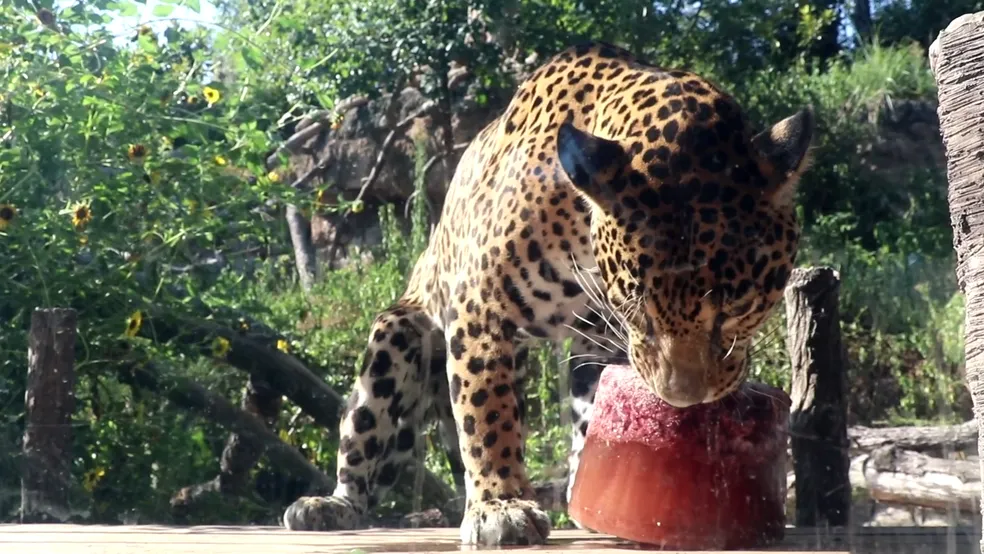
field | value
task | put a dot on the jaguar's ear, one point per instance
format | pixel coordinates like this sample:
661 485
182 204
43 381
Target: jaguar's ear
591 162
786 148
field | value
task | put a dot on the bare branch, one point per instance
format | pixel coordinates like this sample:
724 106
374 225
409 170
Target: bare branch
317 120
192 396
397 129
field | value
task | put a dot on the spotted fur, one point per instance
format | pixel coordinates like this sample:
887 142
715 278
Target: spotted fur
627 207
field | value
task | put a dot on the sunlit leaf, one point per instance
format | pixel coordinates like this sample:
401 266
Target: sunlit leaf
252 56
163 10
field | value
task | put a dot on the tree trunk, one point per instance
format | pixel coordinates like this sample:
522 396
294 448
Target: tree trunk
861 17
818 416
304 255
957 59
50 398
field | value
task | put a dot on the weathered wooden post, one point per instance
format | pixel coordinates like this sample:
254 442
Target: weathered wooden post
50 402
957 60
818 415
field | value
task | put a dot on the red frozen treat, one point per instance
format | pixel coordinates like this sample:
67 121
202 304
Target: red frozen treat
706 477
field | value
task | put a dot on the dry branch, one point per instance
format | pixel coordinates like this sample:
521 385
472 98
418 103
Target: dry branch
924 439
903 477
397 130
283 372
192 396
240 454
255 431
301 182
304 254
311 126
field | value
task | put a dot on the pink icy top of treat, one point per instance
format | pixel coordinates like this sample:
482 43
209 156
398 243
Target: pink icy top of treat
750 423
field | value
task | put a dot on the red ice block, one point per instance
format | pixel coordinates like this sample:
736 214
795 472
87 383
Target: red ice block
707 477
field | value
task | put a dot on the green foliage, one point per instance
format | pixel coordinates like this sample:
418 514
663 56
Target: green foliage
361 45
733 38
125 171
919 20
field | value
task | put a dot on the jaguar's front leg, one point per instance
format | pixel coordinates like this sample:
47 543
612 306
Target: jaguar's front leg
500 501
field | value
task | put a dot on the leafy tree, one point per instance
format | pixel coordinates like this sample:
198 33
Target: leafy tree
129 178
919 20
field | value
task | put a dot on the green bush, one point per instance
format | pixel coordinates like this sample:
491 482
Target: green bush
124 174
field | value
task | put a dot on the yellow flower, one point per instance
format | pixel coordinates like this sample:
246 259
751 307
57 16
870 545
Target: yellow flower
321 198
283 346
7 215
211 95
358 206
38 91
219 160
92 478
336 122
243 325
192 100
133 324
274 177
83 240
136 152
81 215
220 347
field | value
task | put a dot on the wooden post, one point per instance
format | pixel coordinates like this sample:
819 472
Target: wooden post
50 402
818 415
957 60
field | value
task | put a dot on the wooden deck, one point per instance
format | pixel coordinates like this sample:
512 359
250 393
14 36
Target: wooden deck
79 539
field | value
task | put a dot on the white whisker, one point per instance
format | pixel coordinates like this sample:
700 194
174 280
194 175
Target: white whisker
610 320
609 327
593 341
575 356
732 349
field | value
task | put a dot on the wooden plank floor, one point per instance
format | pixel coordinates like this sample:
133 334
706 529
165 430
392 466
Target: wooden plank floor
86 539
